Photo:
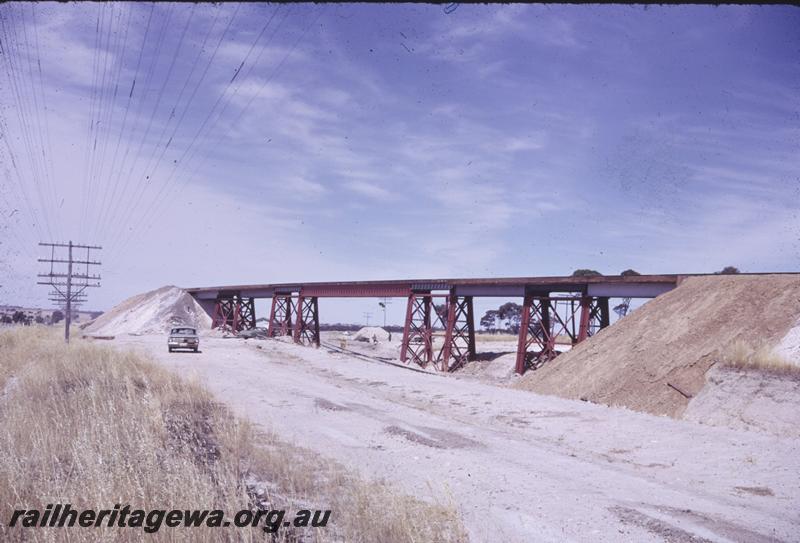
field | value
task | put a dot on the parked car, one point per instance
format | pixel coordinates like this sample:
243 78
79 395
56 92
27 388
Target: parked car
183 337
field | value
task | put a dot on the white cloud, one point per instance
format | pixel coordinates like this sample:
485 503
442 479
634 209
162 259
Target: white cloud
303 188
370 190
522 144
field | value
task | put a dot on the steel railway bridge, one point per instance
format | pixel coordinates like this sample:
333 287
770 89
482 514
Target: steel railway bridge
574 308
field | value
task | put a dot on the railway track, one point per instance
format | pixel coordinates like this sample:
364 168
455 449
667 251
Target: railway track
368 358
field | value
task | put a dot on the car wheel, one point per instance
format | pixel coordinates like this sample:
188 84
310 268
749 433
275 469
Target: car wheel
195 349
170 349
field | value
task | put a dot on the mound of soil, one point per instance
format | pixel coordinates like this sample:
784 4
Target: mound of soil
748 400
366 333
153 312
659 354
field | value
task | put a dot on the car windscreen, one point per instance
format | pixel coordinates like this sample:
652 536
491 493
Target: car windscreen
183 331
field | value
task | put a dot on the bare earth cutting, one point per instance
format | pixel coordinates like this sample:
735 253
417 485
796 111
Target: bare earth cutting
656 358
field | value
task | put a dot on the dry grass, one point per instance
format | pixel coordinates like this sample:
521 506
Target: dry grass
483 337
94 427
742 355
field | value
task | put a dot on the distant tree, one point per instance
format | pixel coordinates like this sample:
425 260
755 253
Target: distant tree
441 310
582 272
39 319
489 320
728 270
19 317
629 272
511 313
57 316
5 319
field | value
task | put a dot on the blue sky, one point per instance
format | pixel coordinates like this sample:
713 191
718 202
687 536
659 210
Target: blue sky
382 141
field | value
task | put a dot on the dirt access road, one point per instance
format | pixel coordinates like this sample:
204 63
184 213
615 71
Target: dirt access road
519 466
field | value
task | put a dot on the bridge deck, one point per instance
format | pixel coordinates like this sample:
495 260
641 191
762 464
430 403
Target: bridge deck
644 286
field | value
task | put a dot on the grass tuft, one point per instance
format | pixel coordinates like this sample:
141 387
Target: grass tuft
742 355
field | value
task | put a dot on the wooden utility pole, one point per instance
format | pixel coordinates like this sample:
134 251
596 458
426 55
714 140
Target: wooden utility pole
68 316
69 287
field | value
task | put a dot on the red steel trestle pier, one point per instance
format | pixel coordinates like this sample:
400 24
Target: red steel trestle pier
547 318
233 313
457 319
280 315
306 329
459 335
305 312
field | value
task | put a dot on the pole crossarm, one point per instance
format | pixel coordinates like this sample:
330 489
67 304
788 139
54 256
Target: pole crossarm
74 275
55 261
73 245
65 283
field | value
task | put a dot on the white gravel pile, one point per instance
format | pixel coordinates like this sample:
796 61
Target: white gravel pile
366 333
153 312
789 346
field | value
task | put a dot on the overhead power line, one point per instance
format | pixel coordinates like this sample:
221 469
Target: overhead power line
14 72
109 121
129 215
159 202
43 150
158 48
153 113
149 172
116 180
93 108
